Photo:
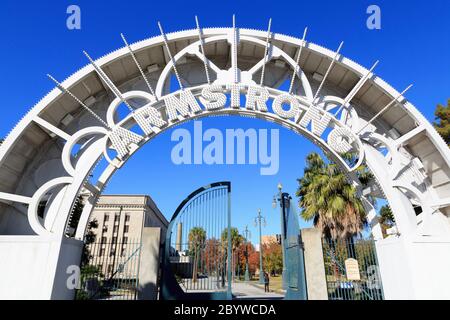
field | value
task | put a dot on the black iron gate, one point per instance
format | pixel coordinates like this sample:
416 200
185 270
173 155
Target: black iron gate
351 269
197 263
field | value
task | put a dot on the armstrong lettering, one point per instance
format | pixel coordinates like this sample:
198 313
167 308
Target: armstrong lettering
193 103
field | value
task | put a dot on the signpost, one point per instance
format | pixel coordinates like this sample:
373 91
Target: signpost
352 269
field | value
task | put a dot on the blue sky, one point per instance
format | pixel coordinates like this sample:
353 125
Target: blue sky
413 47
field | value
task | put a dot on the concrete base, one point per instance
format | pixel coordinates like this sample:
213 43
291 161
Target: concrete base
34 267
415 268
314 266
149 264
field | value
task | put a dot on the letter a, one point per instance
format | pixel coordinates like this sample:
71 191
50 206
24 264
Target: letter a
122 139
181 152
374 20
74 20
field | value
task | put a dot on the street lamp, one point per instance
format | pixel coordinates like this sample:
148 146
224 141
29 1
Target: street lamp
279 198
258 221
247 234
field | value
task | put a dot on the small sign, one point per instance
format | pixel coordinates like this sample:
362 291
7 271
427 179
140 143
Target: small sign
352 269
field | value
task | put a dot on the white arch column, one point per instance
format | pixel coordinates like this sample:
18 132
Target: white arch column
412 266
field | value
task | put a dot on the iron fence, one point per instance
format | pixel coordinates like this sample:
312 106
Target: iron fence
351 269
110 271
200 268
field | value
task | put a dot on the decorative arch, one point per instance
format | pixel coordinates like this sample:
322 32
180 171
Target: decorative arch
345 106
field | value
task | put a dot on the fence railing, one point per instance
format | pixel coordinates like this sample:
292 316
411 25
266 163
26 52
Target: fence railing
110 271
201 268
351 269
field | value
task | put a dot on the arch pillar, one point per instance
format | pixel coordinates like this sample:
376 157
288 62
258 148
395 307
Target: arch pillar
412 266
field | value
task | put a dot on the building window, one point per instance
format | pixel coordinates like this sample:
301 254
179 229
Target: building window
105 228
126 229
114 239
116 228
102 252
103 240
127 217
106 217
110 268
125 239
117 216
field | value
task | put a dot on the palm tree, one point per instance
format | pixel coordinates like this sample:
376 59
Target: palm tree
196 238
236 240
386 220
327 198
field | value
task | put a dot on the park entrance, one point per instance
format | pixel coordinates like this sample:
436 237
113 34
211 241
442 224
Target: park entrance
200 246
50 155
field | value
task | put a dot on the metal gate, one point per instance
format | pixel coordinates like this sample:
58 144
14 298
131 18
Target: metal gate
110 271
293 251
351 269
197 263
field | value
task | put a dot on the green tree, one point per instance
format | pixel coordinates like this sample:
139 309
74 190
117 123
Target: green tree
89 236
327 198
387 219
442 113
88 271
236 238
272 258
196 239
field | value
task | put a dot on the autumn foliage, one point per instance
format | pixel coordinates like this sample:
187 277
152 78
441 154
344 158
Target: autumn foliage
272 258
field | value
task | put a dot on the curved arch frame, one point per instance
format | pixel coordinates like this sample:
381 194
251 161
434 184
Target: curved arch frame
245 34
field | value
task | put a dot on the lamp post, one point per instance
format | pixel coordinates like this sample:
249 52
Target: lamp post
279 198
258 221
247 234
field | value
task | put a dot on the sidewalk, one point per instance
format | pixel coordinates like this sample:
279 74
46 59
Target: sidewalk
251 291
261 286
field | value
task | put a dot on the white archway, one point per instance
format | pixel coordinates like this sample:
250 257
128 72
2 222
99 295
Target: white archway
334 102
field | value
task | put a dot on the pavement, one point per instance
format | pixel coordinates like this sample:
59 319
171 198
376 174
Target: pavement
246 291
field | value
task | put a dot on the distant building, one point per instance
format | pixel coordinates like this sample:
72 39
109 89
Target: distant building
121 219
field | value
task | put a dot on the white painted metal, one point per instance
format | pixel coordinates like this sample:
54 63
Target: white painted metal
297 61
205 61
265 53
138 65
